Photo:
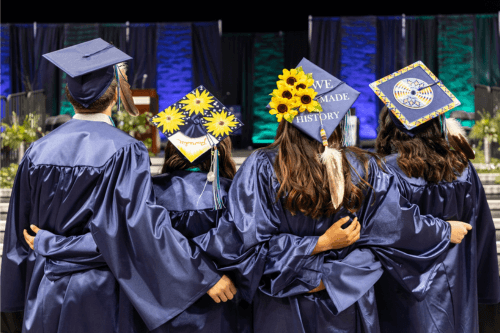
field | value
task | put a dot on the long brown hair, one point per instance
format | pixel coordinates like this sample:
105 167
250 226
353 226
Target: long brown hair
175 161
304 180
426 155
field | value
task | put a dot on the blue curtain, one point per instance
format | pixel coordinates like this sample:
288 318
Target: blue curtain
207 56
114 33
325 44
358 64
142 48
4 64
22 69
390 48
49 37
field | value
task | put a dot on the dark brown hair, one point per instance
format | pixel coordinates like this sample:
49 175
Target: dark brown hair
175 161
426 155
98 105
303 178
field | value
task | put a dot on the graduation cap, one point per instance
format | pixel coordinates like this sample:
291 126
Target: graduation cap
414 95
196 124
91 67
315 102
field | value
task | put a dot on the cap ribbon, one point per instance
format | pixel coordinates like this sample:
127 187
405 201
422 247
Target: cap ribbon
91 54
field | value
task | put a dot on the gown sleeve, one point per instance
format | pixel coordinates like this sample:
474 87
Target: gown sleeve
16 258
154 264
239 244
407 244
75 249
488 285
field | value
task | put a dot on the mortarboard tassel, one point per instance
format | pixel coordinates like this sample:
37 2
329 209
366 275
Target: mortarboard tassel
213 177
332 159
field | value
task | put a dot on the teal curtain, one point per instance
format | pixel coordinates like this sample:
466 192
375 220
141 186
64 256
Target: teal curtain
421 36
486 50
456 57
268 64
74 33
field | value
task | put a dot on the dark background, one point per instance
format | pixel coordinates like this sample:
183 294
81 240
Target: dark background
236 16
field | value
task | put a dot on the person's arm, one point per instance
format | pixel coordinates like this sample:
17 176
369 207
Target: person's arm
156 266
17 258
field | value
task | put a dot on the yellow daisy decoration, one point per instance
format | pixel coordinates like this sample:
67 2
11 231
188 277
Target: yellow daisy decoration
305 99
220 123
291 77
283 108
198 103
170 119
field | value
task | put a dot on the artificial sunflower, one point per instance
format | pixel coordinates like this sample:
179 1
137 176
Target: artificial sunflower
304 82
305 100
198 103
283 108
170 119
284 91
220 123
291 77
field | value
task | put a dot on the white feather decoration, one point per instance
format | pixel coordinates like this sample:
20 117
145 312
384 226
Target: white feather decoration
332 159
454 127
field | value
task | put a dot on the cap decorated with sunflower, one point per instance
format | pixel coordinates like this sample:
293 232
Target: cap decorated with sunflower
294 95
196 123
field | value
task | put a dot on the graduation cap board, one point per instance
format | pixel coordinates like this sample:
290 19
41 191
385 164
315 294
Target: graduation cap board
334 97
91 68
414 95
196 123
315 102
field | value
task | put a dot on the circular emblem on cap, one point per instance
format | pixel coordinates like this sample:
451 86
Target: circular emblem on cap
407 93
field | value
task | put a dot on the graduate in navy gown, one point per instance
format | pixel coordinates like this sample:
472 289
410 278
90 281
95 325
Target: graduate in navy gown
88 177
182 188
431 160
284 204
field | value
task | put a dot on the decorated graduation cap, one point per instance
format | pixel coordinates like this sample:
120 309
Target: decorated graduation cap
196 124
414 95
91 67
315 102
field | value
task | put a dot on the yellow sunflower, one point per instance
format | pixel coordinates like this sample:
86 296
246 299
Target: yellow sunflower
283 108
220 123
284 91
303 83
305 99
197 103
291 77
170 119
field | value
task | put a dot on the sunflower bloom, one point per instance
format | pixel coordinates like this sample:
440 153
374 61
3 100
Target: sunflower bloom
220 123
303 83
291 77
284 91
305 99
197 103
170 119
283 108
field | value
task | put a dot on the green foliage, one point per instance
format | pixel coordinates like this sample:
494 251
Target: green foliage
13 136
487 127
128 123
7 176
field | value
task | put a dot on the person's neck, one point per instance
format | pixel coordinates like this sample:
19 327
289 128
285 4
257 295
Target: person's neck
107 112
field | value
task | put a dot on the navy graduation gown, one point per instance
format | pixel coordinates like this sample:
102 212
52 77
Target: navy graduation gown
268 249
192 214
469 272
90 177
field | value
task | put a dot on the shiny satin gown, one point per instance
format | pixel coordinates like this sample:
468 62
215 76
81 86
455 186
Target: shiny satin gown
275 247
469 272
89 178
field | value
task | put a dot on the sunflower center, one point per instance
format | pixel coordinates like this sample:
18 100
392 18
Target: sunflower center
169 118
282 108
198 101
306 99
286 94
291 81
221 123
301 86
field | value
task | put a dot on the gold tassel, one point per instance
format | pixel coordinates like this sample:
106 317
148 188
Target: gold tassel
332 159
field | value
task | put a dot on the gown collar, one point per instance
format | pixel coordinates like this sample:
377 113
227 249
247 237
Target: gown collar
94 117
